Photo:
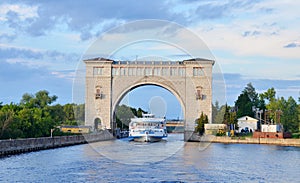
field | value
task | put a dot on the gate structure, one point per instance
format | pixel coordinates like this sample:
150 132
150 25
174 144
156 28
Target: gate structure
108 81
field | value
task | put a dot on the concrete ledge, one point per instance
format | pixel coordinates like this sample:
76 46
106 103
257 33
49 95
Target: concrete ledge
227 140
17 146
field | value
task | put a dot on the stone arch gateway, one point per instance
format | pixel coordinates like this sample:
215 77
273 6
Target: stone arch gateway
107 81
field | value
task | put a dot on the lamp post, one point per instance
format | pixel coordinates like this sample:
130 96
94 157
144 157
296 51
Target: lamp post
51 132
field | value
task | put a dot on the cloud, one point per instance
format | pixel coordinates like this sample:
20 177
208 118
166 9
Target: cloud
292 45
17 79
7 37
235 84
82 16
37 58
251 33
92 17
67 74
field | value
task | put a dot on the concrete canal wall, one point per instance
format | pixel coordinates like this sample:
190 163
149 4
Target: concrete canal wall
16 146
236 140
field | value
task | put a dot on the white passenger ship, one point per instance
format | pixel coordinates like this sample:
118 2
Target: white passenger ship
147 129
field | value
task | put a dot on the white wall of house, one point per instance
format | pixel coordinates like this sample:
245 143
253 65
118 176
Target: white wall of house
271 128
247 121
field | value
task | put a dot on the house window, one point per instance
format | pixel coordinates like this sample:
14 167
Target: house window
98 70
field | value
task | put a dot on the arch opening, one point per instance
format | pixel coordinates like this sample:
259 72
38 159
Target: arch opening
97 124
153 98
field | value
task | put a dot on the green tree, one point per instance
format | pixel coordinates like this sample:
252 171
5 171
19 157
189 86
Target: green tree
253 96
35 118
233 119
226 116
215 110
57 113
244 105
219 118
287 108
69 114
79 113
289 118
268 95
200 123
6 118
123 116
140 112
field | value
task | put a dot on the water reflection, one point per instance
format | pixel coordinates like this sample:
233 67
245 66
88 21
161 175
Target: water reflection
174 160
139 153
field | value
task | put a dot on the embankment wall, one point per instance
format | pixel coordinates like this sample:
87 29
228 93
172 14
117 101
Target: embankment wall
227 140
16 146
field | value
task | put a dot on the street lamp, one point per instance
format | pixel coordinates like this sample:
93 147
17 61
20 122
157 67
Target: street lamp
51 132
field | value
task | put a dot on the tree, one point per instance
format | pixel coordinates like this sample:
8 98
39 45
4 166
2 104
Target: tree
123 116
233 119
215 110
268 95
69 113
287 108
218 119
226 115
244 105
140 112
6 118
289 119
200 123
79 113
253 96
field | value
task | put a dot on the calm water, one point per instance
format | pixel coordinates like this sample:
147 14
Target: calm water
167 161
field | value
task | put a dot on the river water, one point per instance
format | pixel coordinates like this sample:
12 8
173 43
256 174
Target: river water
168 161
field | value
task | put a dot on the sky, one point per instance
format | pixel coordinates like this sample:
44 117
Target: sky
42 43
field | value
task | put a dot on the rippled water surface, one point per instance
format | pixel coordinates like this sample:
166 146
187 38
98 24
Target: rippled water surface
166 161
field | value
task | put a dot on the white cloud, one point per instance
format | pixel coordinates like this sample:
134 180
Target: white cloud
22 10
69 75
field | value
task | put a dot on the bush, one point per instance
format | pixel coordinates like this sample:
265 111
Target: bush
221 133
296 135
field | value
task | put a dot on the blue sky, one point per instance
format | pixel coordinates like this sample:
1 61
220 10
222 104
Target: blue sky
42 42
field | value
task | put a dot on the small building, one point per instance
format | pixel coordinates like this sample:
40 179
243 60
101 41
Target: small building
272 131
213 129
76 129
247 124
271 128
